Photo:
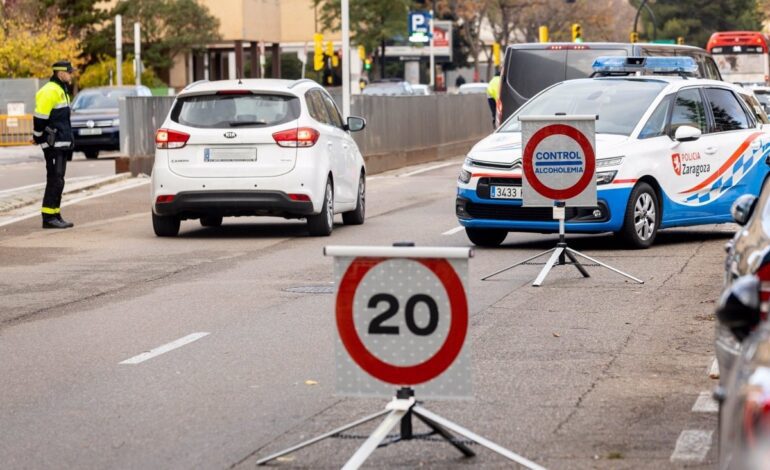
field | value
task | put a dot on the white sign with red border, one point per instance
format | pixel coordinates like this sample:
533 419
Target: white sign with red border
402 320
558 160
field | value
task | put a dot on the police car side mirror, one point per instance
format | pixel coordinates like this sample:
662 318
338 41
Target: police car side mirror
355 124
687 134
742 208
738 307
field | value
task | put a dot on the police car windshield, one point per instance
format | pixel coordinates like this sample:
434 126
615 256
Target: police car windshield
619 103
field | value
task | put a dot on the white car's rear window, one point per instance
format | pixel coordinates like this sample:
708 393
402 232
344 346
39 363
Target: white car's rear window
231 110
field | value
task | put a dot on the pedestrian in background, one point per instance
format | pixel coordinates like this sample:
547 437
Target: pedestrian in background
493 94
54 134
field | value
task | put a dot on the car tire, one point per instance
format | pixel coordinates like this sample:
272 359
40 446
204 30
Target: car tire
165 225
321 225
357 216
211 221
642 218
91 154
488 237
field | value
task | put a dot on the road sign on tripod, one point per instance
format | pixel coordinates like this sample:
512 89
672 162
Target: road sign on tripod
402 317
559 170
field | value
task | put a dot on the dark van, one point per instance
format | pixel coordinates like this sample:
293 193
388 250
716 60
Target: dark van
530 68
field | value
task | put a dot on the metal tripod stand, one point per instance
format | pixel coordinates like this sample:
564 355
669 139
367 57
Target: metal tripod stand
559 256
400 410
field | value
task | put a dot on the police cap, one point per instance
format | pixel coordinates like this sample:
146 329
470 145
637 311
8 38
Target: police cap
63 66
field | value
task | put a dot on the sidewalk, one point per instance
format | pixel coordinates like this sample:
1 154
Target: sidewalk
19 198
20 154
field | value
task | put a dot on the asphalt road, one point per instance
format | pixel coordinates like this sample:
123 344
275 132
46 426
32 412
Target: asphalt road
580 373
23 166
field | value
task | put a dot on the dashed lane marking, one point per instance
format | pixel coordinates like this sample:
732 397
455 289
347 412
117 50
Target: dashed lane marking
145 356
692 446
453 231
430 168
705 403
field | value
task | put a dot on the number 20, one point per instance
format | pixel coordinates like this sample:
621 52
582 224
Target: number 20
376 327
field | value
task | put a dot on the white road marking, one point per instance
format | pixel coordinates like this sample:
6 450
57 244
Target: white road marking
453 231
692 446
164 349
714 370
705 403
36 213
431 168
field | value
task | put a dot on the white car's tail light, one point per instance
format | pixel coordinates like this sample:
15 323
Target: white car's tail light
164 199
170 139
299 137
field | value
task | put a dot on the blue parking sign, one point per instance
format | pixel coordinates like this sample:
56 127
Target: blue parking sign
419 26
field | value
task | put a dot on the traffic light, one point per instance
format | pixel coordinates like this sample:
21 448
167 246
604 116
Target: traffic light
318 52
634 36
543 32
680 40
368 64
362 52
577 33
496 53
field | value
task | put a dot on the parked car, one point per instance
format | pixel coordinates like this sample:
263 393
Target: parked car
389 87
257 147
95 121
670 151
472 88
532 67
421 89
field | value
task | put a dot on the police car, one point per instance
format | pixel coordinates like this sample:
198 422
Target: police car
671 151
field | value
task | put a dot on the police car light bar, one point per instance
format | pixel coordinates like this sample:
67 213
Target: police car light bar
618 64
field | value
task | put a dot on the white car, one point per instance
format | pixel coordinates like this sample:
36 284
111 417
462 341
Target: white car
671 151
257 147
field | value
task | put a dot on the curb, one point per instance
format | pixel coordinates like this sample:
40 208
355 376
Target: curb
33 195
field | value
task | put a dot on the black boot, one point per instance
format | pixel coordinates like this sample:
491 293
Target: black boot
68 224
53 222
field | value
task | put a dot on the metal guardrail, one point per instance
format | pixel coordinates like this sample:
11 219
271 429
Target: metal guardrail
394 123
15 130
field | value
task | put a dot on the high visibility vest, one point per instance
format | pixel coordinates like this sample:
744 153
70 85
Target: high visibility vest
493 89
52 110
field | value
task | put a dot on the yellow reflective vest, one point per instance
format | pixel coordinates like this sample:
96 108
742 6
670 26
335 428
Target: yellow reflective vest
493 89
52 111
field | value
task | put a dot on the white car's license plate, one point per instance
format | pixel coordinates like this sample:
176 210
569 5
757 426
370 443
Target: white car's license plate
229 155
90 132
505 192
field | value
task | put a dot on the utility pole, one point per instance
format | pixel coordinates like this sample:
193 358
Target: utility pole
345 59
119 48
137 54
432 52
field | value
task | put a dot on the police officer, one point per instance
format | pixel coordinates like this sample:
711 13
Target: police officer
54 134
493 92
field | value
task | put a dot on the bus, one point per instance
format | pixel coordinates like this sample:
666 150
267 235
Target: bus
742 56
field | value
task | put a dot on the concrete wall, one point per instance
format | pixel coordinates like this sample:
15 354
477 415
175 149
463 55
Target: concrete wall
400 130
19 90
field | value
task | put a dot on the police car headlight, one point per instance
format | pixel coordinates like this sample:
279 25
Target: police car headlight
605 177
468 161
612 161
465 176
116 122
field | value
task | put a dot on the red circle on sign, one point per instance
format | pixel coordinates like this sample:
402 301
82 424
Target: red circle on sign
588 172
403 375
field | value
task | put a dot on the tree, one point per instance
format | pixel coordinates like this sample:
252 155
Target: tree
98 74
169 27
81 18
372 22
29 46
696 20
469 17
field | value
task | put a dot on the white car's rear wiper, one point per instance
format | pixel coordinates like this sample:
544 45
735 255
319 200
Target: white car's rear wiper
246 123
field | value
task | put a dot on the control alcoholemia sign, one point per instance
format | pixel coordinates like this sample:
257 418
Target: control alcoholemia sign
402 320
558 160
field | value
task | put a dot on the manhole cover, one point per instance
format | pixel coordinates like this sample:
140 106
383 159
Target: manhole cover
310 289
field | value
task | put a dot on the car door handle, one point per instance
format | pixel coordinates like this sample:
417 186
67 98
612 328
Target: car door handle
711 150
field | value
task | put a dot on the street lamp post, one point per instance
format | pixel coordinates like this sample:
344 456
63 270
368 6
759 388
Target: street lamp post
345 58
652 16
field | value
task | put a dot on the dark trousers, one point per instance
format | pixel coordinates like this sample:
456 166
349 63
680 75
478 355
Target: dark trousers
493 108
55 167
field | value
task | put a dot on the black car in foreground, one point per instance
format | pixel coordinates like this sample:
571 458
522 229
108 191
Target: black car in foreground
95 122
743 339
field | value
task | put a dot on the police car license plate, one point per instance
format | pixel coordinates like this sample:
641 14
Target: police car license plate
505 192
230 155
90 132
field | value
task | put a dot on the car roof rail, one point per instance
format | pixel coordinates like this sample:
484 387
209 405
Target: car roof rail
301 81
195 83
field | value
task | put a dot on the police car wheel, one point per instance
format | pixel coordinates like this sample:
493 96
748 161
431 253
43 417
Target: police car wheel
165 226
489 237
211 221
642 218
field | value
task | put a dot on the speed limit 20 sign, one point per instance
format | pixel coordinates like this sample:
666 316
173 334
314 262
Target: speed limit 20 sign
402 320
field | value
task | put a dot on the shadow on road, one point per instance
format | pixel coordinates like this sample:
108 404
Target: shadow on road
248 230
